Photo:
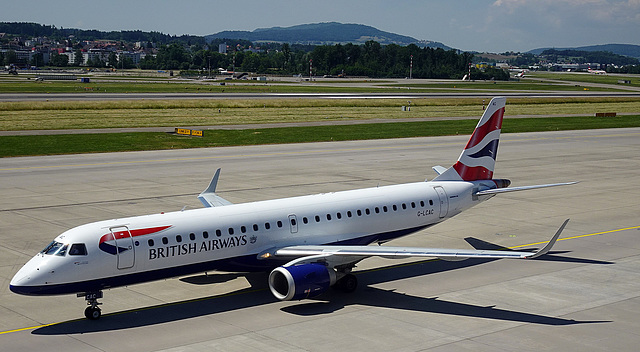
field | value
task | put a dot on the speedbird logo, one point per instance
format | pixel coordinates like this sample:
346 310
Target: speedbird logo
109 243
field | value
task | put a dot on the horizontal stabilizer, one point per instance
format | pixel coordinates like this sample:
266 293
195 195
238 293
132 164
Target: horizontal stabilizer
439 169
209 198
523 188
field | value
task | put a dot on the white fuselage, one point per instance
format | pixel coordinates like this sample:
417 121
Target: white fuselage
144 248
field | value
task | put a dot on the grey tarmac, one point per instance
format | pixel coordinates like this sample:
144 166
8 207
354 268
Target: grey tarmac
584 296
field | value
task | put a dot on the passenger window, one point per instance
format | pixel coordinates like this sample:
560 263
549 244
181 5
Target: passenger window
305 220
359 212
328 217
192 236
366 211
255 227
349 213
205 234
218 233
377 210
339 215
395 207
178 238
78 249
243 229
165 240
422 203
430 202
231 230
404 206
317 218
150 242
384 208
267 225
413 204
279 223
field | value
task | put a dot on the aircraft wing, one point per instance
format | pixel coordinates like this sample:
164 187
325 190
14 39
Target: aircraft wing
326 251
209 198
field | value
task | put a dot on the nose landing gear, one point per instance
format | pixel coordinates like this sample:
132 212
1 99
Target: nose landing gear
92 312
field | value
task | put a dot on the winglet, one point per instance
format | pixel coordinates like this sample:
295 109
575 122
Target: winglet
209 198
553 240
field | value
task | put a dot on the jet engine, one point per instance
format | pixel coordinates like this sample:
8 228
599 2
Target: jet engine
298 282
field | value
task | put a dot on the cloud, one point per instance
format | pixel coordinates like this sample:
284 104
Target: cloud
553 11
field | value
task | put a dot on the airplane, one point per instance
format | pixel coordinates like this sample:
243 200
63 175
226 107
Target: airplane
596 72
306 243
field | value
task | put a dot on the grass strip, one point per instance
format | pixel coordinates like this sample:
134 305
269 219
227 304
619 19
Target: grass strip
15 116
11 146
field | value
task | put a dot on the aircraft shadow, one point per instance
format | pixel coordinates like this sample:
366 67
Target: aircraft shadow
389 299
258 294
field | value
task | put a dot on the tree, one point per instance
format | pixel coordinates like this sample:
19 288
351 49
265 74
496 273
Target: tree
125 62
59 60
79 58
37 60
10 57
286 53
112 60
172 56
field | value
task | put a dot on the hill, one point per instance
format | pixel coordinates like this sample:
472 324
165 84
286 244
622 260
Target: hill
30 30
631 50
324 33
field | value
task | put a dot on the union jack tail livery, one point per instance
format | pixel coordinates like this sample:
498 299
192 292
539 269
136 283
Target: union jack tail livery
478 159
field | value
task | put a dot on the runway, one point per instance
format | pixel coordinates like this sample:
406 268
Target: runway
8 97
584 296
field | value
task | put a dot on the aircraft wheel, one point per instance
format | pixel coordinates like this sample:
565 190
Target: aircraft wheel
92 313
348 283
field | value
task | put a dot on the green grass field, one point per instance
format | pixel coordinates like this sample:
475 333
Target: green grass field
117 142
587 78
56 115
16 116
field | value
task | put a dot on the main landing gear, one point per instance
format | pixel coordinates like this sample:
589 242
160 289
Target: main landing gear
347 283
92 312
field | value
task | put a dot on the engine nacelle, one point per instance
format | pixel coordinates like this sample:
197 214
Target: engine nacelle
300 281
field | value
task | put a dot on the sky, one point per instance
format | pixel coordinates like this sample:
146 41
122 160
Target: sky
474 25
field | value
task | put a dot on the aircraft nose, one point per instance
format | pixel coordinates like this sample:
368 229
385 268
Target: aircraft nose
24 280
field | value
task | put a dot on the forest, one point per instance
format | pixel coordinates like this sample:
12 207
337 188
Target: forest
370 60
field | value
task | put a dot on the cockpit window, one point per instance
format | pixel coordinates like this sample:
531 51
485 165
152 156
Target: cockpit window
62 251
78 249
55 248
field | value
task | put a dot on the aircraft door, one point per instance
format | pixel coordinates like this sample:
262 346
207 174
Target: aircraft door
125 249
293 223
444 201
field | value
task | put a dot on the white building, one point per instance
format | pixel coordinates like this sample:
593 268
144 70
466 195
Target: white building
135 56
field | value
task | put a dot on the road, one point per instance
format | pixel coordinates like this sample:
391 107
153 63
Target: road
584 296
7 97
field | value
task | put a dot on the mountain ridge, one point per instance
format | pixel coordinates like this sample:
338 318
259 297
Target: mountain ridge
325 33
631 50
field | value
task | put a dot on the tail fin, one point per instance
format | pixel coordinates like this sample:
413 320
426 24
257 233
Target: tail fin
478 159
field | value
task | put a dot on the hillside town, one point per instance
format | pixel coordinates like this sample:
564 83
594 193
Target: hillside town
190 53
